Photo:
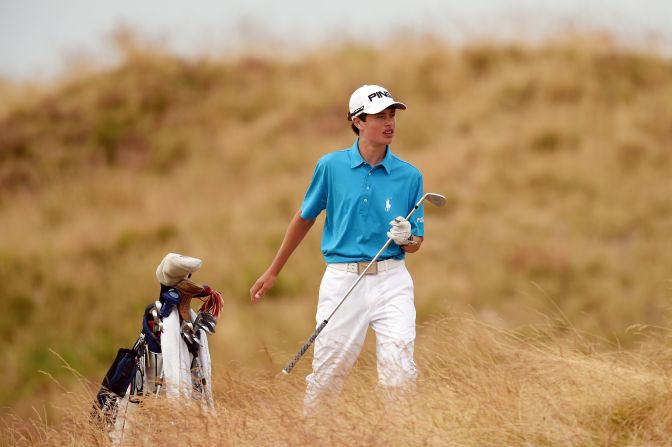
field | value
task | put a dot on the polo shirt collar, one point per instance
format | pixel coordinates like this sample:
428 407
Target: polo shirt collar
357 160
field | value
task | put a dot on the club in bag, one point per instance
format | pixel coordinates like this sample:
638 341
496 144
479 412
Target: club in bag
433 198
188 333
206 322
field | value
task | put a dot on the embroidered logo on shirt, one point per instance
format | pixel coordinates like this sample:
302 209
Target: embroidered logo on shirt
388 206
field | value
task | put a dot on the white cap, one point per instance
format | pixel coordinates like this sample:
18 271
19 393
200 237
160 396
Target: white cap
174 268
371 99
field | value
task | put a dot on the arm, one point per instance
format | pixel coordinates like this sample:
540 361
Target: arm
296 231
412 248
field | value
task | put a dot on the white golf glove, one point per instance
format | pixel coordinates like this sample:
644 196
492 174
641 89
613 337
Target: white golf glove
400 231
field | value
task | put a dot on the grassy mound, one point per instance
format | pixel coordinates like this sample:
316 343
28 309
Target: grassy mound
555 160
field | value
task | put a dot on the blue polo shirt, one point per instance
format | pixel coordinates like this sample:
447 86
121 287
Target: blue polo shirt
360 201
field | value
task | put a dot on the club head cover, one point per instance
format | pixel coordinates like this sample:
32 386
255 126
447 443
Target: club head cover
175 267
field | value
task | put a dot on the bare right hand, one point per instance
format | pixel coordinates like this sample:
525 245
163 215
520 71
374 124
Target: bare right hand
264 283
296 231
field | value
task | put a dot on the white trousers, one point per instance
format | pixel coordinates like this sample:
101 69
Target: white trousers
383 301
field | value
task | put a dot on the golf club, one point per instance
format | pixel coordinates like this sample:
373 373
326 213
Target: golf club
433 198
206 322
188 333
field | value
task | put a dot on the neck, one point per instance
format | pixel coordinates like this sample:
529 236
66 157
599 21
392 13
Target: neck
371 152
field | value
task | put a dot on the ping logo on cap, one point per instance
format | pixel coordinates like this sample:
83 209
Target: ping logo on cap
379 94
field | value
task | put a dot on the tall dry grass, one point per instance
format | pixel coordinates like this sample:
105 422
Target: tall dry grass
478 385
555 160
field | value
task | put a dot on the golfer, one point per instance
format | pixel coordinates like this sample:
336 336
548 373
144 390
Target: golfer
366 190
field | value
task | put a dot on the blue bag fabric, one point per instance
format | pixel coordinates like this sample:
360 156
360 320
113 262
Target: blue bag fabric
170 298
153 342
114 386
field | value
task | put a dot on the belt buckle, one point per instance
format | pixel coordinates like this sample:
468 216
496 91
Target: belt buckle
362 265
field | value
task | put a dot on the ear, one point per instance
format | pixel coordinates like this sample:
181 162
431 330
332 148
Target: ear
359 124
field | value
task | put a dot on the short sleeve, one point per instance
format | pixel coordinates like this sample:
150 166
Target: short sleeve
418 218
316 197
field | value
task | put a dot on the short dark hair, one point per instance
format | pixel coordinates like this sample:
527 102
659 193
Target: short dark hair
354 128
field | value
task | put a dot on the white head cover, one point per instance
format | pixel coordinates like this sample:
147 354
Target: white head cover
174 268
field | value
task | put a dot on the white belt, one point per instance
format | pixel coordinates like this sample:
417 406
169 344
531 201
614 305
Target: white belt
358 267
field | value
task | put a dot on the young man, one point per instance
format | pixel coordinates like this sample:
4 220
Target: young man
366 190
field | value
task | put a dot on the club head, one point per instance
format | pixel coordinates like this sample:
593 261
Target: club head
191 338
206 322
205 316
209 323
188 332
435 199
206 329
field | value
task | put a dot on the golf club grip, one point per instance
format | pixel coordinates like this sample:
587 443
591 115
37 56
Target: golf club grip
304 348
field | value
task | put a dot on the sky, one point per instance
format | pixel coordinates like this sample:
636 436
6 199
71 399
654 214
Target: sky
38 38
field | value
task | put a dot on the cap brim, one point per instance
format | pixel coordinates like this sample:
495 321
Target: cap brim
382 105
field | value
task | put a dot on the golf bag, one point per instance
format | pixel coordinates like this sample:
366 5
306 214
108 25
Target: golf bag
134 371
171 355
115 384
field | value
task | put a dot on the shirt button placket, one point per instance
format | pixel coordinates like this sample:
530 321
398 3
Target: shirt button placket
365 197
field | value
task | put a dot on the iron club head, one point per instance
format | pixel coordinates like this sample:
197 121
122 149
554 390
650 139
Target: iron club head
435 199
206 322
188 333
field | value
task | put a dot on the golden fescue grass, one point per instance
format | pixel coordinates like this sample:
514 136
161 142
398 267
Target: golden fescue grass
478 385
555 160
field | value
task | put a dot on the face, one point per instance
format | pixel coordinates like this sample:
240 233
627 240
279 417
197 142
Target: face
379 127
